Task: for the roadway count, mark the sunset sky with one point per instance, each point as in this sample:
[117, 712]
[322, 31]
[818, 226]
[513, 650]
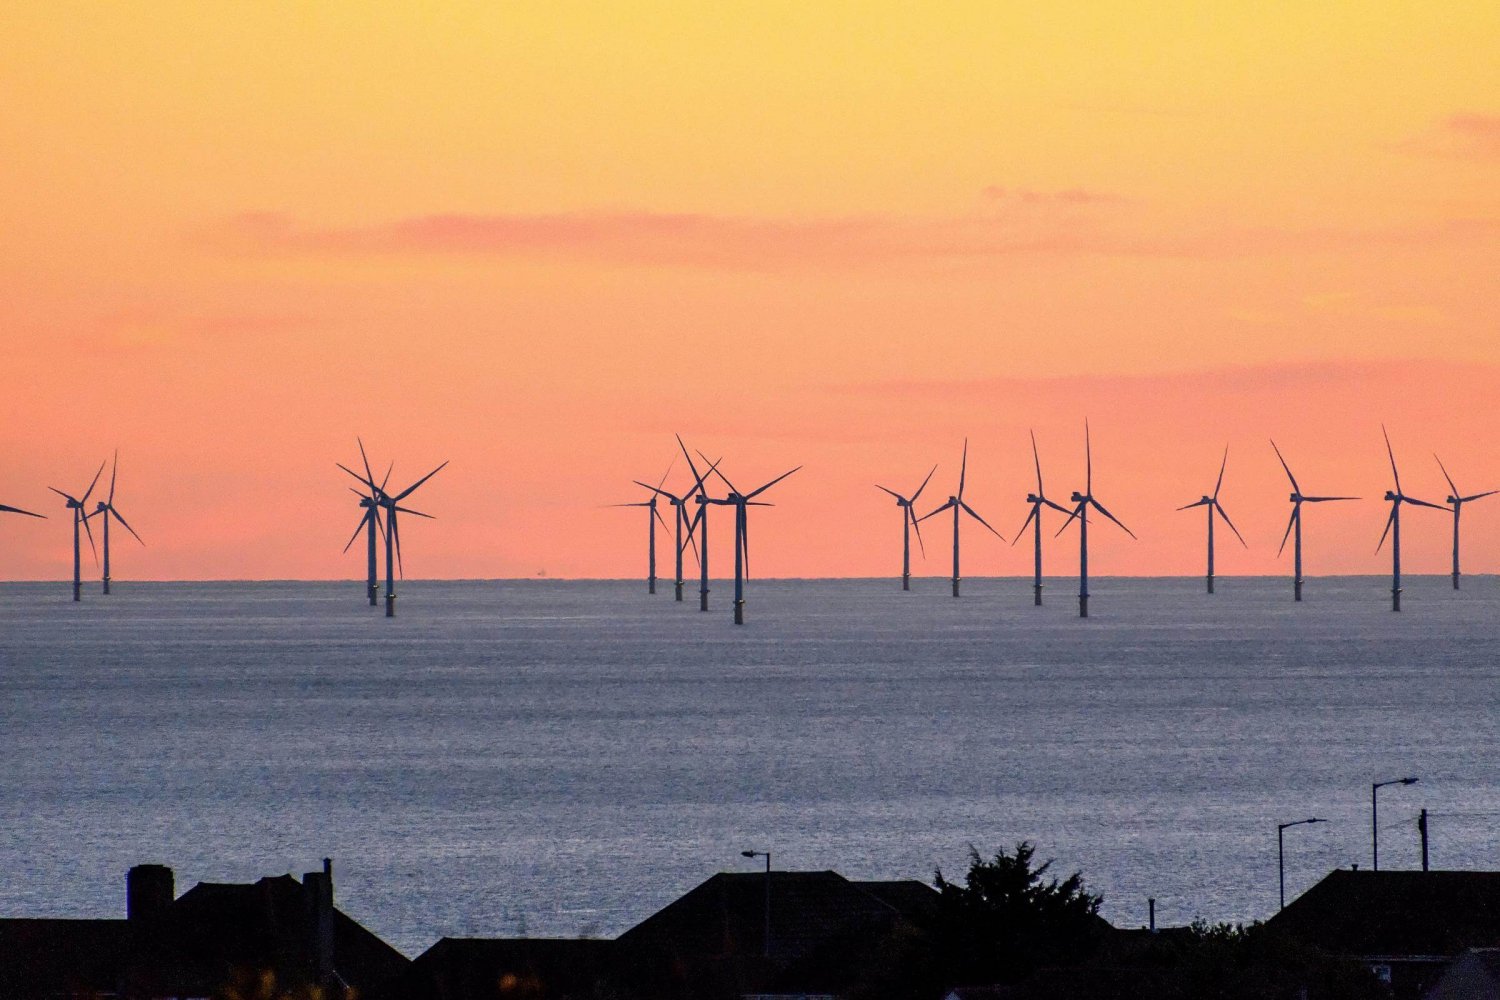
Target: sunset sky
[538, 239]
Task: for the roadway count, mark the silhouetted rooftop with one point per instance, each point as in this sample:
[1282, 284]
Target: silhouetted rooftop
[1396, 913]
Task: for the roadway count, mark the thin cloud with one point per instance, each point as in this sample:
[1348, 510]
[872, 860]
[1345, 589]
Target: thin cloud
[1019, 224]
[1218, 382]
[1468, 136]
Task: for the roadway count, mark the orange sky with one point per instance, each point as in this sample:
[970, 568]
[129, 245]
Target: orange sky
[537, 239]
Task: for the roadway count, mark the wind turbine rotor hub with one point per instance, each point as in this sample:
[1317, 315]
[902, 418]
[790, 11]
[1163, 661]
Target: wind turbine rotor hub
[1295, 498]
[1390, 495]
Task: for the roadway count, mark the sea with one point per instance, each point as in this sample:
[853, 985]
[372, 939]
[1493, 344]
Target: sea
[563, 758]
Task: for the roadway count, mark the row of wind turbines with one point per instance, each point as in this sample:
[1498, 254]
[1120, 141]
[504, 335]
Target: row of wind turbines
[691, 532]
[380, 507]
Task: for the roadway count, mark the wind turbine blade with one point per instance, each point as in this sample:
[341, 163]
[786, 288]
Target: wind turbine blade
[924, 484]
[366, 482]
[1100, 508]
[1476, 496]
[60, 493]
[1037, 458]
[1388, 522]
[114, 471]
[358, 528]
[389, 469]
[1288, 533]
[893, 493]
[918, 529]
[1222, 466]
[369, 476]
[1451, 486]
[1422, 503]
[714, 468]
[121, 519]
[1220, 508]
[658, 491]
[936, 512]
[90, 490]
[1326, 499]
[1088, 457]
[1295, 487]
[1195, 503]
[413, 487]
[396, 538]
[1072, 516]
[17, 510]
[691, 467]
[90, 531]
[664, 475]
[971, 512]
[755, 493]
[1055, 506]
[1031, 515]
[963, 469]
[745, 539]
[642, 504]
[657, 514]
[418, 513]
[1396, 475]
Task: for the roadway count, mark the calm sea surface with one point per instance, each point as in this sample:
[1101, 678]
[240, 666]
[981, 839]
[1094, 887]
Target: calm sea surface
[561, 758]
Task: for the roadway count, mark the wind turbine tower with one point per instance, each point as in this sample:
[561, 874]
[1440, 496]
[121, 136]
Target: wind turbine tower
[1456, 500]
[1393, 523]
[106, 509]
[1214, 507]
[958, 506]
[76, 505]
[1080, 513]
[1294, 525]
[908, 522]
[1038, 500]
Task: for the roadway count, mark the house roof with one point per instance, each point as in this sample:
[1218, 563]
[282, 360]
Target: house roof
[726, 915]
[455, 968]
[1396, 913]
[43, 957]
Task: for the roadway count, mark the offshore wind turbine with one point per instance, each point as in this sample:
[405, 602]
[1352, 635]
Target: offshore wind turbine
[680, 520]
[1214, 507]
[908, 521]
[1038, 500]
[1456, 500]
[106, 509]
[957, 505]
[652, 516]
[1393, 523]
[369, 522]
[742, 502]
[80, 518]
[1080, 513]
[392, 506]
[1294, 525]
[700, 496]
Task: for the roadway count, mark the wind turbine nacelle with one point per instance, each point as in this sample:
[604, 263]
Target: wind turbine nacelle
[1078, 497]
[902, 503]
[1295, 498]
[1033, 498]
[1453, 500]
[1390, 495]
[1206, 500]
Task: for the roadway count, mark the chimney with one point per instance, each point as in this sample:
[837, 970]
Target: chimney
[318, 887]
[149, 890]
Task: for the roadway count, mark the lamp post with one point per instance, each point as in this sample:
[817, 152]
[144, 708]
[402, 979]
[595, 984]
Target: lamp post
[1281, 850]
[766, 937]
[1375, 817]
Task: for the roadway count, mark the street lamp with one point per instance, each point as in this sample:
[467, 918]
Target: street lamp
[766, 937]
[1375, 817]
[1281, 850]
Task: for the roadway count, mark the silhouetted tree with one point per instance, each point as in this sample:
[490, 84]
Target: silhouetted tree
[1008, 918]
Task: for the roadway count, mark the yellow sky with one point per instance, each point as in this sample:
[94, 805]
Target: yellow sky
[538, 238]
